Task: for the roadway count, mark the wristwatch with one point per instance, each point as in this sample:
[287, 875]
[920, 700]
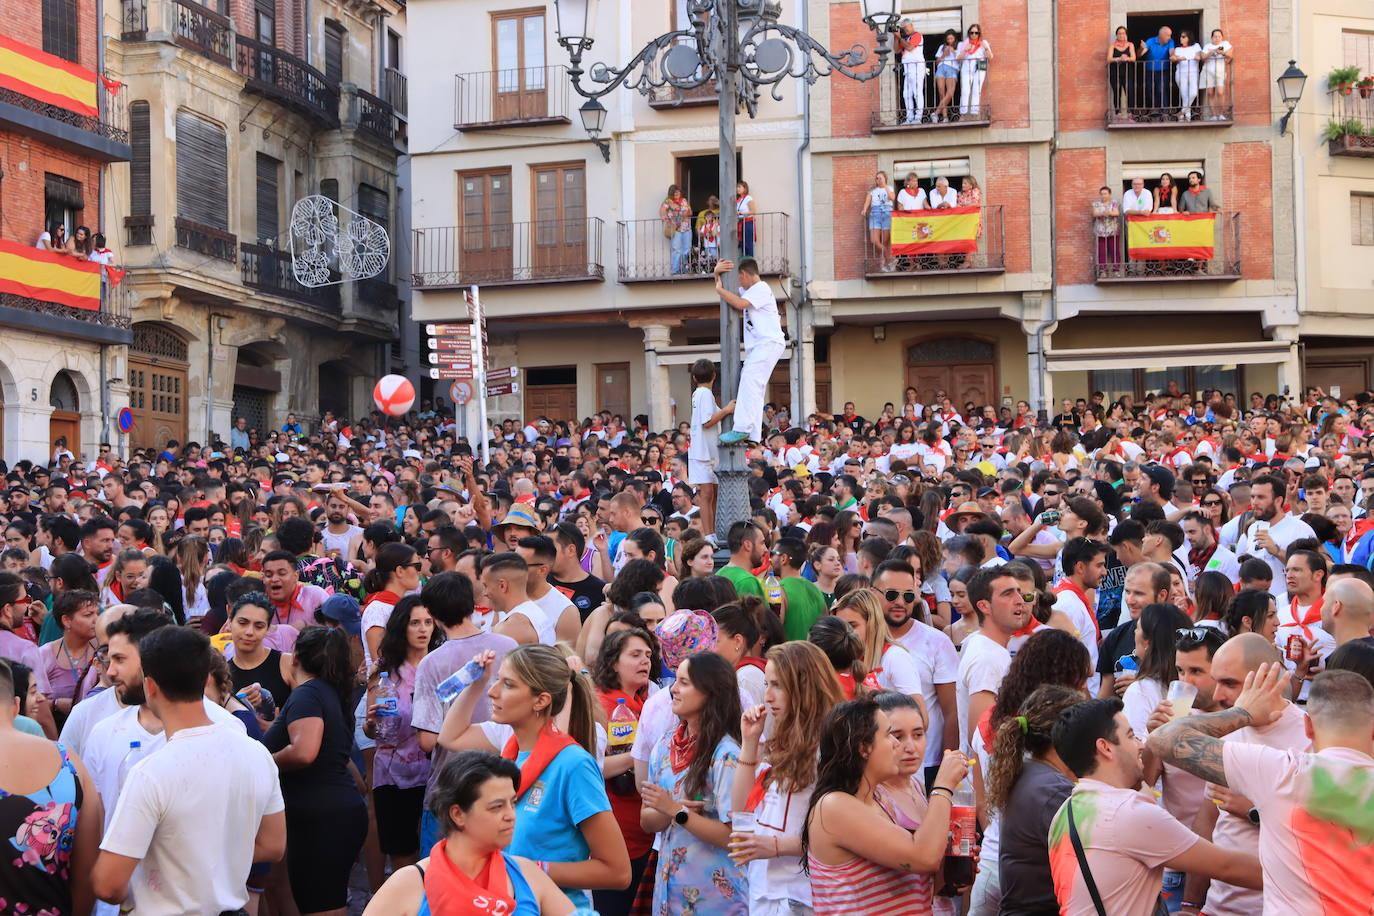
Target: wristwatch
[1253, 816]
[681, 817]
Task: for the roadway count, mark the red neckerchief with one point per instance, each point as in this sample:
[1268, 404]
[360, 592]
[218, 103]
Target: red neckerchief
[633, 701]
[1068, 585]
[1198, 556]
[1029, 628]
[290, 603]
[682, 747]
[550, 743]
[452, 893]
[1198, 190]
[1357, 531]
[974, 44]
[758, 790]
[1313, 615]
[847, 685]
[985, 727]
[1281, 456]
[385, 596]
[750, 661]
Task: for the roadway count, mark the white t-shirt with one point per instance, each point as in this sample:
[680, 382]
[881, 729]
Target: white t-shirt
[751, 685]
[1286, 531]
[1073, 608]
[1131, 202]
[1139, 700]
[949, 197]
[774, 881]
[908, 201]
[898, 671]
[762, 321]
[543, 627]
[85, 716]
[166, 805]
[376, 614]
[703, 446]
[982, 665]
[937, 663]
[1222, 561]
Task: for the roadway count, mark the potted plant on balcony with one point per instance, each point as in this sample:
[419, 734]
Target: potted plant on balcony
[1342, 79]
[1366, 86]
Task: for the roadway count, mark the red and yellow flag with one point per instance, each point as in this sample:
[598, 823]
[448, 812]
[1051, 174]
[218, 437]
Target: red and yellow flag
[1170, 236]
[952, 231]
[47, 78]
[49, 276]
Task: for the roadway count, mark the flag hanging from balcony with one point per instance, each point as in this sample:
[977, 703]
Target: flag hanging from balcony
[47, 78]
[952, 231]
[49, 276]
[1170, 236]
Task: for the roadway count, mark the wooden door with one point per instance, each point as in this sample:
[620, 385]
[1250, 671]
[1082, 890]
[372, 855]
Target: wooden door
[560, 219]
[157, 399]
[519, 85]
[964, 368]
[927, 380]
[557, 402]
[613, 389]
[972, 383]
[1351, 376]
[486, 234]
[65, 424]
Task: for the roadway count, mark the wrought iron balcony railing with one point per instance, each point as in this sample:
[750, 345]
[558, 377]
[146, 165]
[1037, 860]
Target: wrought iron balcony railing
[1188, 93]
[541, 251]
[645, 253]
[493, 98]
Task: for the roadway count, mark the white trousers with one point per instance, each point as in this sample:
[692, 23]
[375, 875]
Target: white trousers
[759, 361]
[914, 89]
[971, 88]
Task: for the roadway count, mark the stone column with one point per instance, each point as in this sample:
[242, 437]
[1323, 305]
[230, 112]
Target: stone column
[657, 337]
[1290, 370]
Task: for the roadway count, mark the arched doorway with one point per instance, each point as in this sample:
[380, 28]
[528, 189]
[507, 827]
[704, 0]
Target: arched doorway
[256, 383]
[65, 422]
[157, 385]
[335, 386]
[965, 368]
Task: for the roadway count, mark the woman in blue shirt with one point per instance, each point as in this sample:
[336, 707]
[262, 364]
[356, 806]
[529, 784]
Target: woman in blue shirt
[564, 818]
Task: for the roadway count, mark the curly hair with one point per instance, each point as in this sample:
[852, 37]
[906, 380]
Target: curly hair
[1012, 741]
[603, 672]
[930, 552]
[806, 678]
[636, 576]
[1050, 656]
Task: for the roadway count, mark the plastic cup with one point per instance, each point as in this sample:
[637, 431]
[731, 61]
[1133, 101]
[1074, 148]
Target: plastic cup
[1181, 695]
[742, 824]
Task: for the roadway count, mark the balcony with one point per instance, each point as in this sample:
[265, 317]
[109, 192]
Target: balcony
[372, 116]
[287, 80]
[189, 24]
[1142, 94]
[666, 98]
[932, 111]
[61, 104]
[988, 256]
[138, 230]
[1113, 263]
[378, 292]
[58, 296]
[394, 91]
[508, 254]
[645, 254]
[501, 98]
[268, 270]
[206, 240]
[1350, 132]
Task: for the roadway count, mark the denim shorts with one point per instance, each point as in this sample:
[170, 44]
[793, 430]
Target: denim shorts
[880, 219]
[947, 71]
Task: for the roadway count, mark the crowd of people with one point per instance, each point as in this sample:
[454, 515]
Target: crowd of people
[958, 659]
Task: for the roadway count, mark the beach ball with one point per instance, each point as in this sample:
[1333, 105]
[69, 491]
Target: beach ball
[394, 395]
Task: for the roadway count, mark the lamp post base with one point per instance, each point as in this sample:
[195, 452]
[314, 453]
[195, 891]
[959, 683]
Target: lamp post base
[732, 498]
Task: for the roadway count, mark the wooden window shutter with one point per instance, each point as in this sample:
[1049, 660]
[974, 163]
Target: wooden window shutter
[268, 222]
[141, 165]
[202, 171]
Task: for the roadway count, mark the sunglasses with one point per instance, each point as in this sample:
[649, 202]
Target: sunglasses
[1208, 503]
[1191, 637]
[649, 519]
[1028, 597]
[892, 594]
[415, 566]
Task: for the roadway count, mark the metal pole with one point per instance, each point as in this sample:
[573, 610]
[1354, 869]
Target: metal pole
[732, 498]
[479, 336]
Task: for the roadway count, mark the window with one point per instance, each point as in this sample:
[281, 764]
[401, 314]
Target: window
[62, 202]
[927, 170]
[518, 46]
[1362, 219]
[334, 35]
[269, 170]
[1140, 383]
[140, 165]
[202, 171]
[59, 28]
[375, 204]
[393, 50]
[1358, 50]
[1150, 173]
[266, 21]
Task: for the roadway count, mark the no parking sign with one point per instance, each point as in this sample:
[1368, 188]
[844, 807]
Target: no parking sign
[125, 420]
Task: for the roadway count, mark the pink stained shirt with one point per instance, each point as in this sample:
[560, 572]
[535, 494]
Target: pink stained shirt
[1237, 833]
[1316, 842]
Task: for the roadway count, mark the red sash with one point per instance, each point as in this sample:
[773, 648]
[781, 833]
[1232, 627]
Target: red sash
[452, 893]
[1068, 585]
[751, 661]
[547, 746]
[758, 790]
[1313, 615]
[384, 596]
[985, 728]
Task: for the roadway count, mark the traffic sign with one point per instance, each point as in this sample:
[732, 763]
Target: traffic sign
[501, 388]
[460, 392]
[450, 343]
[448, 373]
[451, 359]
[126, 419]
[440, 330]
[496, 375]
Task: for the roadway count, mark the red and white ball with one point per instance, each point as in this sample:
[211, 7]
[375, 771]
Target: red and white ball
[394, 395]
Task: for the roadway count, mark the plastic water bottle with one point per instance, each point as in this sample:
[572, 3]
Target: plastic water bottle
[131, 757]
[963, 827]
[458, 681]
[388, 710]
[772, 588]
[620, 739]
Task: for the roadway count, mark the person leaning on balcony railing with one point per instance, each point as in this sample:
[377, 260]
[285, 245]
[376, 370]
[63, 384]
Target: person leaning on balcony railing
[676, 214]
[1107, 227]
[946, 74]
[910, 46]
[708, 231]
[1156, 53]
[1166, 194]
[877, 212]
[1198, 198]
[1121, 73]
[910, 198]
[970, 195]
[1185, 58]
[1216, 60]
[55, 239]
[974, 56]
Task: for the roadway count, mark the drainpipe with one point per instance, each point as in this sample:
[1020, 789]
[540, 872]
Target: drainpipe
[1299, 216]
[100, 221]
[802, 310]
[209, 376]
[1037, 371]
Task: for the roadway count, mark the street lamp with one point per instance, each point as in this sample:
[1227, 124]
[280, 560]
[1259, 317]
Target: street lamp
[741, 48]
[1291, 84]
[593, 115]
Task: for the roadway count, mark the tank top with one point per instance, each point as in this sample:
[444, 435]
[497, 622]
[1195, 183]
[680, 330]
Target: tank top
[1119, 52]
[267, 675]
[861, 886]
[339, 542]
[40, 829]
[526, 904]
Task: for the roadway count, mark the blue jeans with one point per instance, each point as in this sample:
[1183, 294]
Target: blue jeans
[746, 238]
[682, 249]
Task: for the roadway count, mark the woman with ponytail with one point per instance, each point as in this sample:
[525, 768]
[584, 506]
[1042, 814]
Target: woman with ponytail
[800, 688]
[543, 717]
[844, 651]
[395, 575]
[311, 740]
[1027, 784]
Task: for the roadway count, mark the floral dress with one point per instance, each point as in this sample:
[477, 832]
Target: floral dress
[695, 878]
[38, 832]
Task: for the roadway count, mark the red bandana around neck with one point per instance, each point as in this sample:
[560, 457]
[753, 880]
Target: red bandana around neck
[385, 596]
[1068, 585]
[550, 743]
[682, 748]
[1313, 615]
[452, 893]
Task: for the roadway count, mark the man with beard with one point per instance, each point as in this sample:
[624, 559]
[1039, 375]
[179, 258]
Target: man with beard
[98, 545]
[340, 536]
[112, 739]
[1272, 529]
[996, 596]
[1126, 840]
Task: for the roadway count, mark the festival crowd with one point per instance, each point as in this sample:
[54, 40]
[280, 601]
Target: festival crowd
[958, 660]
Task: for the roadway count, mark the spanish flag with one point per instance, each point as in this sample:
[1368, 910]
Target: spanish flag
[49, 276]
[47, 78]
[1170, 236]
[952, 231]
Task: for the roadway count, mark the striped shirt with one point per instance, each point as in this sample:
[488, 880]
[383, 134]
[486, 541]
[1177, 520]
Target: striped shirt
[861, 886]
